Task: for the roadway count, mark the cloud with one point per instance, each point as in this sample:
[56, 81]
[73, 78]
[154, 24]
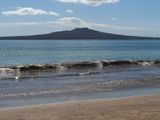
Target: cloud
[65, 23]
[113, 19]
[77, 22]
[53, 13]
[23, 11]
[69, 11]
[90, 2]
[73, 22]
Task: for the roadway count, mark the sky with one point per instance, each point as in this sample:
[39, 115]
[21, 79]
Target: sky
[129, 17]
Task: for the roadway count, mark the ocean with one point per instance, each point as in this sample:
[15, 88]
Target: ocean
[50, 71]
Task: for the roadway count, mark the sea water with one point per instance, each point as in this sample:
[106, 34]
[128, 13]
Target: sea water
[49, 71]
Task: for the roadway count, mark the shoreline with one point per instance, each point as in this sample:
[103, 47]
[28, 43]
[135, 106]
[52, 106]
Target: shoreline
[125, 108]
[78, 101]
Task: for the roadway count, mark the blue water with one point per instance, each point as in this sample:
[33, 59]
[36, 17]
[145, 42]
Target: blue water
[59, 51]
[19, 88]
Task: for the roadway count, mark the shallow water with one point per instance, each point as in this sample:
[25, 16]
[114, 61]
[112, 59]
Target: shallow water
[113, 68]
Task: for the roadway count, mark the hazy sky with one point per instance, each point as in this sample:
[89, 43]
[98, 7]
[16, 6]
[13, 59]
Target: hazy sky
[133, 17]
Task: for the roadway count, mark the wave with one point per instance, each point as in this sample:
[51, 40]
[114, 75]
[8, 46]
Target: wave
[48, 76]
[76, 65]
[35, 71]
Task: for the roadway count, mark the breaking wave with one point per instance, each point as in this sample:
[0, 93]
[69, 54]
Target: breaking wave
[76, 65]
[66, 69]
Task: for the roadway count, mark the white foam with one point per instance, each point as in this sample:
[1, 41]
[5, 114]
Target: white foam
[146, 63]
[100, 65]
[6, 70]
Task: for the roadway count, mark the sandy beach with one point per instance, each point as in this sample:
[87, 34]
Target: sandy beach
[131, 108]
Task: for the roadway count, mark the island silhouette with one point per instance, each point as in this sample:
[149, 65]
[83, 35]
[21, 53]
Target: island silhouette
[77, 33]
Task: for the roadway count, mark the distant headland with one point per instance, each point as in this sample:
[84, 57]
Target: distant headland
[77, 33]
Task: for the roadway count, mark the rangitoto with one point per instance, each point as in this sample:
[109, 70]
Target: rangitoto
[77, 34]
[131, 108]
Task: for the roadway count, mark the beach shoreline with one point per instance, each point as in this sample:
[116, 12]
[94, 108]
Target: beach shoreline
[127, 108]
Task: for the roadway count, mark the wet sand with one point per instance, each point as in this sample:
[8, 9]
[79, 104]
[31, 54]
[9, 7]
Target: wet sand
[131, 108]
